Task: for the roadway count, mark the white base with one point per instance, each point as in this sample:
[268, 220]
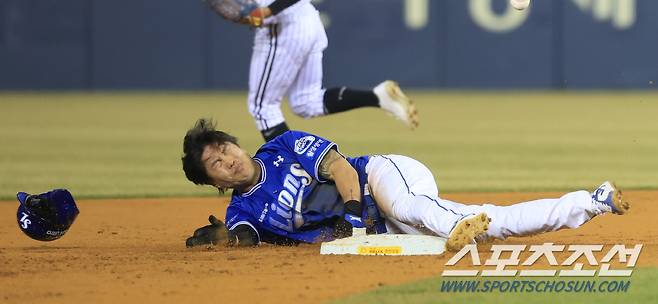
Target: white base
[385, 244]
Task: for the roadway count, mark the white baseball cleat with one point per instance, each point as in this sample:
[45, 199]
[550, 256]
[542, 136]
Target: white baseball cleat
[467, 230]
[396, 103]
[608, 198]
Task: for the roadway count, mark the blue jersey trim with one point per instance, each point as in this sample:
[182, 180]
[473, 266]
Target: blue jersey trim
[319, 160]
[263, 176]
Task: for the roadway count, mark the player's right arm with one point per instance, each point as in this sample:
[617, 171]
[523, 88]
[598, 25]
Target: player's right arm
[321, 159]
[336, 168]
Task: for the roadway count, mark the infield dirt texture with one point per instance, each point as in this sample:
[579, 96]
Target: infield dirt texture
[119, 154]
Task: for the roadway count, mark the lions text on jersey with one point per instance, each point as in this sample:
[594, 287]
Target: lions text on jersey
[291, 199]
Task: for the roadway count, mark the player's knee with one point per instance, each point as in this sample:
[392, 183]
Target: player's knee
[253, 113]
[301, 112]
[263, 110]
[405, 209]
[306, 110]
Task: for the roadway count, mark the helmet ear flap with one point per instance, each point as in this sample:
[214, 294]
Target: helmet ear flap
[64, 206]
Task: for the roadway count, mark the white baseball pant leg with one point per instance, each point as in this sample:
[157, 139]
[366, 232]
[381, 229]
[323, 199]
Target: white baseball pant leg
[287, 60]
[406, 192]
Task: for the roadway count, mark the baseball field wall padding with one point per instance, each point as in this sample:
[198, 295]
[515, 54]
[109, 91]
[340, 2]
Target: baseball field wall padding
[456, 44]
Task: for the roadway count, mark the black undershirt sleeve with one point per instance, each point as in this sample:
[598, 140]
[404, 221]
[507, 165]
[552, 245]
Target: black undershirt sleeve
[245, 236]
[279, 5]
[274, 239]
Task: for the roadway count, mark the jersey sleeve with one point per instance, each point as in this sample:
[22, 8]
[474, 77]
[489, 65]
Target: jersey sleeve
[308, 149]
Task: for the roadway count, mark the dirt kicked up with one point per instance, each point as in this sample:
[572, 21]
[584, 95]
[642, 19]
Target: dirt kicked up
[133, 251]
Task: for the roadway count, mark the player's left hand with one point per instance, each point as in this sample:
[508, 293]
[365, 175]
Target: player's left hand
[342, 228]
[212, 234]
[353, 213]
[351, 219]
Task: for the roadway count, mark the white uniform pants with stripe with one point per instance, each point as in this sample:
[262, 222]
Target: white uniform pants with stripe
[287, 61]
[406, 193]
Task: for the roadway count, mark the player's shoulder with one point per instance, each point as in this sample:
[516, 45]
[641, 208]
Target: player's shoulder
[293, 145]
[238, 206]
[292, 134]
[236, 201]
[275, 144]
[300, 141]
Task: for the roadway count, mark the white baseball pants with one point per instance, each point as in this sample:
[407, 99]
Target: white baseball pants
[287, 61]
[407, 195]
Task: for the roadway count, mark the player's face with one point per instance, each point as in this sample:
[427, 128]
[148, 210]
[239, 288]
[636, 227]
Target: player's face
[228, 166]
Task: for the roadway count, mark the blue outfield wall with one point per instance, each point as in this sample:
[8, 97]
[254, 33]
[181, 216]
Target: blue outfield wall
[174, 44]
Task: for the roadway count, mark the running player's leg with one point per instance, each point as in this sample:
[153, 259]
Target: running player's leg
[308, 98]
[405, 190]
[306, 93]
[387, 96]
[275, 64]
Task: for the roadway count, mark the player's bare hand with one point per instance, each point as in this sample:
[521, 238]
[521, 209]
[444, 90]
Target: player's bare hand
[257, 16]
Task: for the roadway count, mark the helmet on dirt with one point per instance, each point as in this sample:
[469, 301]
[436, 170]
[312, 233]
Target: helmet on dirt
[46, 216]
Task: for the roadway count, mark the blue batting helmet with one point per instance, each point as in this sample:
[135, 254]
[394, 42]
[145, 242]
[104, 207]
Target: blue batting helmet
[46, 216]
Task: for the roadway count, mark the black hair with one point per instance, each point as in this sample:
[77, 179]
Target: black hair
[197, 138]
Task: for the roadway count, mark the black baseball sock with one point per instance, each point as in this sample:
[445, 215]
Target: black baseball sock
[342, 99]
[271, 133]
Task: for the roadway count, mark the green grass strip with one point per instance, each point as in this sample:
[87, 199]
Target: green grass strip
[641, 289]
[103, 145]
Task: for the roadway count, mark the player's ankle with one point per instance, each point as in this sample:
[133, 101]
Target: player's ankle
[343, 99]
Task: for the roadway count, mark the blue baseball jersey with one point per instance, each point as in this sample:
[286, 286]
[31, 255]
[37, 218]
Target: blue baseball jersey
[291, 199]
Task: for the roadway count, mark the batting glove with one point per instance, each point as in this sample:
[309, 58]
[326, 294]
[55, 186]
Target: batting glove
[212, 234]
[353, 212]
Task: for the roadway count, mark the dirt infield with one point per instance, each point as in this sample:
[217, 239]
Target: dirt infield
[132, 251]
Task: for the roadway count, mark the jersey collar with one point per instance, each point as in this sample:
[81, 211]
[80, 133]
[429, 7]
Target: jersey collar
[263, 175]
